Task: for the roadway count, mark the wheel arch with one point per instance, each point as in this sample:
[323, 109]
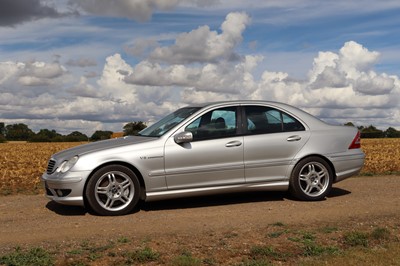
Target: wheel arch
[127, 165]
[320, 156]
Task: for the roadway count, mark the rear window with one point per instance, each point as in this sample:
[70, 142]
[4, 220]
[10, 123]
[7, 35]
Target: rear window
[262, 120]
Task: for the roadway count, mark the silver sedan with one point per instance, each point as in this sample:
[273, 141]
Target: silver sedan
[208, 149]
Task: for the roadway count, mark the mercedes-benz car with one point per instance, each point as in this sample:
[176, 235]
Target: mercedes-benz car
[208, 149]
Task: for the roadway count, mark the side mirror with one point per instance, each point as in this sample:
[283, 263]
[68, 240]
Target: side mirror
[183, 137]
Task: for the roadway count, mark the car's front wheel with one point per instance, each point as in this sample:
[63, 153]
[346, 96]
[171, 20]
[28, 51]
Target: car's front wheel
[113, 190]
[311, 179]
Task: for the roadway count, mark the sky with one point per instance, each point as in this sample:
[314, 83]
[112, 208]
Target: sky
[87, 65]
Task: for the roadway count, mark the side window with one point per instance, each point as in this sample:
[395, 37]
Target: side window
[291, 124]
[262, 120]
[219, 123]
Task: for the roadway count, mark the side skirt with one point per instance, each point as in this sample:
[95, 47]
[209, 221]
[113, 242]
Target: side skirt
[190, 192]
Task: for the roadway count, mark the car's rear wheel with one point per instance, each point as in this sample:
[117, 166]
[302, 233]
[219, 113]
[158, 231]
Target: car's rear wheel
[113, 190]
[311, 179]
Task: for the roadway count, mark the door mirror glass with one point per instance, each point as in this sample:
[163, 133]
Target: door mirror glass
[183, 137]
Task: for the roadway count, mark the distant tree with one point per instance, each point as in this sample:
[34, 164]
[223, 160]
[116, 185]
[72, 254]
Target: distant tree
[46, 135]
[2, 132]
[18, 132]
[101, 135]
[76, 136]
[350, 124]
[2, 129]
[392, 133]
[372, 132]
[133, 128]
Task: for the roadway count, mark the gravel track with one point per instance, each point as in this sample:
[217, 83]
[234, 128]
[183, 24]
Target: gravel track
[30, 220]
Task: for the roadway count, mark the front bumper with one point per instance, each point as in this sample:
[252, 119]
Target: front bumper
[67, 189]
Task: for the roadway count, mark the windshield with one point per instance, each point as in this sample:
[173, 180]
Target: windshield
[164, 125]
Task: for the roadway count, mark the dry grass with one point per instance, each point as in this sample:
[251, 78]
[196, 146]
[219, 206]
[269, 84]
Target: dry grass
[22, 164]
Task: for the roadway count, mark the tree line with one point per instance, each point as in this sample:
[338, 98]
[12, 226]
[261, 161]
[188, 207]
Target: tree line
[371, 131]
[21, 132]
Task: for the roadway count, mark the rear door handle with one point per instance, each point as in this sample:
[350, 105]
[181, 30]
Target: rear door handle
[234, 143]
[294, 138]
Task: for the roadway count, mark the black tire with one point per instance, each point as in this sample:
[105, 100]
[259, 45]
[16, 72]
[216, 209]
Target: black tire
[113, 190]
[311, 179]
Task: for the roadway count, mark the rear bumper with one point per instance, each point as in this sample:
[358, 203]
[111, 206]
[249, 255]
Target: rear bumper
[347, 165]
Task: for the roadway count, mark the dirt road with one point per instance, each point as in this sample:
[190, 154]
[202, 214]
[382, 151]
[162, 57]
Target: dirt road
[33, 219]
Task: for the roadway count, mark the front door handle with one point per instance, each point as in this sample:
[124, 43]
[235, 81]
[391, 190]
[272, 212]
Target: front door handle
[234, 143]
[294, 138]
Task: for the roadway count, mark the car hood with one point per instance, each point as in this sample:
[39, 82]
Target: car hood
[99, 146]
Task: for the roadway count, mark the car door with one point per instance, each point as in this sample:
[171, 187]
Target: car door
[272, 140]
[213, 158]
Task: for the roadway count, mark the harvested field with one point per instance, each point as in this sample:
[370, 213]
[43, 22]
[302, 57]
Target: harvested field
[22, 164]
[382, 156]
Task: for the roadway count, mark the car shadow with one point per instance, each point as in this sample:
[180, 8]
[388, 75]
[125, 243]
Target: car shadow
[213, 200]
[194, 202]
[338, 192]
[66, 210]
[227, 199]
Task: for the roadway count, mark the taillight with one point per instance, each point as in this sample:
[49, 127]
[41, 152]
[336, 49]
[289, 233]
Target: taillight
[356, 143]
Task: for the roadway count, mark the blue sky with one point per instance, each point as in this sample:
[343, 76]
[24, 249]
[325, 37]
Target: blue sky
[95, 64]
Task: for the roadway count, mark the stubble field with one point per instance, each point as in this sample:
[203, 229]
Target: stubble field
[22, 164]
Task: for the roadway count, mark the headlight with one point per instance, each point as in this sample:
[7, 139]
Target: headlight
[66, 165]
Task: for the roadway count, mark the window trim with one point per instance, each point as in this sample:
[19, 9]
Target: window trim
[238, 117]
[245, 125]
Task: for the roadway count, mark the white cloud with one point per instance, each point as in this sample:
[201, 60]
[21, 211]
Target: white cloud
[351, 71]
[40, 73]
[219, 77]
[83, 89]
[199, 66]
[354, 58]
[373, 84]
[204, 45]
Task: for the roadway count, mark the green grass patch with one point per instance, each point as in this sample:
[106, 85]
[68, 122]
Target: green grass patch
[255, 262]
[278, 224]
[123, 240]
[356, 238]
[32, 257]
[381, 234]
[312, 249]
[329, 229]
[142, 255]
[186, 259]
